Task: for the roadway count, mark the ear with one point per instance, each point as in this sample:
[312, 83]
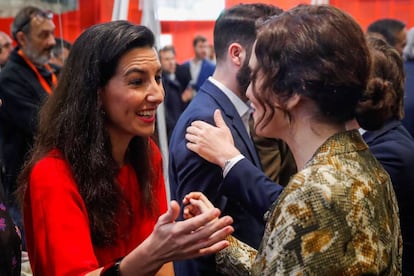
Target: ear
[293, 101]
[237, 54]
[21, 38]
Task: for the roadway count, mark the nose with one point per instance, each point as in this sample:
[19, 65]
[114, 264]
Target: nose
[51, 40]
[249, 91]
[156, 92]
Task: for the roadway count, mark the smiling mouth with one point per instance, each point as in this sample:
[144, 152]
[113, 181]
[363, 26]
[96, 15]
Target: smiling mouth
[146, 113]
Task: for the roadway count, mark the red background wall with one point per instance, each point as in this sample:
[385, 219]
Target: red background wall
[94, 11]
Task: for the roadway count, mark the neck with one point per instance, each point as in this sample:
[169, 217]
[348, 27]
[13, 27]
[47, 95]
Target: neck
[197, 59]
[228, 77]
[352, 124]
[306, 136]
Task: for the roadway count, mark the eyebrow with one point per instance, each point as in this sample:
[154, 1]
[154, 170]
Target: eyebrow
[140, 71]
[134, 70]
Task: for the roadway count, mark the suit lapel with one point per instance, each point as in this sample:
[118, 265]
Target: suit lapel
[233, 120]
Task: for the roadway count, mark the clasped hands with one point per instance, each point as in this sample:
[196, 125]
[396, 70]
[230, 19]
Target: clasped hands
[196, 203]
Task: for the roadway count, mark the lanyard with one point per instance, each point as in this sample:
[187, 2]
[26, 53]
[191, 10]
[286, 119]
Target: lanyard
[41, 79]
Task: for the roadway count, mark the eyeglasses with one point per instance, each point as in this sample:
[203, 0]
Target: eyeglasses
[39, 15]
[5, 46]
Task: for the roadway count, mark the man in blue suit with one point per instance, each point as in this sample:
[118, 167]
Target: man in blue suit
[200, 68]
[234, 35]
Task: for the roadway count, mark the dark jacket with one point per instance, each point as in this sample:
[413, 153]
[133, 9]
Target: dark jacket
[174, 106]
[22, 96]
[393, 146]
[408, 120]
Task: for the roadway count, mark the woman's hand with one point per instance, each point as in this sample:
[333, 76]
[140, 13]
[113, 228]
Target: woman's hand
[196, 203]
[213, 143]
[194, 237]
[201, 235]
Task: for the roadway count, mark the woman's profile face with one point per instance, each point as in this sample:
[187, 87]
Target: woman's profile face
[272, 128]
[132, 95]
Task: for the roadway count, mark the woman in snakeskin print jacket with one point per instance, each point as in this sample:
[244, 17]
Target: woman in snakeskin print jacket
[338, 215]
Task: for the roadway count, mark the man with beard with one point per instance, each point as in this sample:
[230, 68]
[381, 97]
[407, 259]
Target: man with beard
[199, 67]
[25, 82]
[234, 35]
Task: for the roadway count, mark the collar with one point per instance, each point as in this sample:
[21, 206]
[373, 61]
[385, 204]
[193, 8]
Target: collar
[241, 107]
[337, 144]
[43, 82]
[369, 136]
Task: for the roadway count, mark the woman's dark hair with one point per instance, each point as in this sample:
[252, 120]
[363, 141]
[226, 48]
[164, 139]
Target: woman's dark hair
[72, 121]
[318, 52]
[384, 96]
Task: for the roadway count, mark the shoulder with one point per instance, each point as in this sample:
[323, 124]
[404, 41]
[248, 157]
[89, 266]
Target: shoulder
[50, 170]
[395, 143]
[342, 174]
[200, 108]
[185, 65]
[14, 64]
[208, 64]
[13, 72]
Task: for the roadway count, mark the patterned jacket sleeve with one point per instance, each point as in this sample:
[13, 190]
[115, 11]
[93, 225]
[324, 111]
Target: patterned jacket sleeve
[236, 259]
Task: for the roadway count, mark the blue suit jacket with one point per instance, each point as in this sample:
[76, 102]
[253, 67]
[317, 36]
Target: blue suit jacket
[245, 200]
[408, 120]
[393, 146]
[207, 70]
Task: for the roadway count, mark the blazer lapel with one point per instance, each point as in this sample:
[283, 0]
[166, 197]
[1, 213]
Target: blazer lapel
[232, 118]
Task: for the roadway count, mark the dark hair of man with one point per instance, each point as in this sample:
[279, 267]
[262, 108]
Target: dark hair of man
[60, 43]
[22, 20]
[168, 48]
[238, 24]
[296, 54]
[384, 97]
[388, 28]
[198, 39]
[73, 121]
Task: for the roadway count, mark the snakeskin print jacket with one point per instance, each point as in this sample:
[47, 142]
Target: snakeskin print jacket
[337, 216]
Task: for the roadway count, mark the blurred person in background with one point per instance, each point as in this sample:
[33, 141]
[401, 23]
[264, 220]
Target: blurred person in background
[6, 47]
[200, 67]
[25, 82]
[60, 52]
[177, 96]
[392, 30]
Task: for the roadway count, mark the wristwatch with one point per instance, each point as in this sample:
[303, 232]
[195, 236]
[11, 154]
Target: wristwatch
[112, 269]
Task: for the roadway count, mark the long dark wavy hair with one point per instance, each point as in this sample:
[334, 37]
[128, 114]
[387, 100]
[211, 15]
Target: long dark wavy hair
[318, 52]
[72, 121]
